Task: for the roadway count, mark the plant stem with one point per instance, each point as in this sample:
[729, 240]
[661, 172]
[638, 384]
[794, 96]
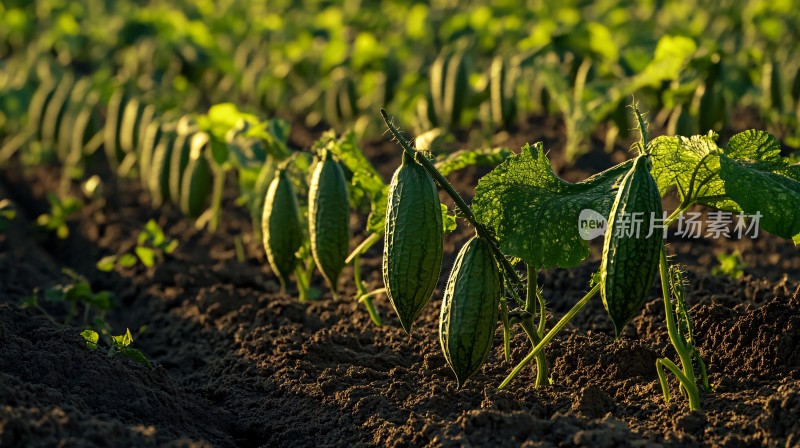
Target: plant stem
[550, 335]
[535, 334]
[542, 371]
[301, 277]
[363, 247]
[459, 202]
[687, 380]
[216, 198]
[363, 295]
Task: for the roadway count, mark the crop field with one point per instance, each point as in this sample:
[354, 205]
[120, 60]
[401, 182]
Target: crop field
[307, 223]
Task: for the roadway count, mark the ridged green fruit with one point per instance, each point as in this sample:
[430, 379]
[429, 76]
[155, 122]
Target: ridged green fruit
[54, 114]
[630, 256]
[469, 309]
[412, 252]
[197, 177]
[150, 140]
[160, 166]
[280, 227]
[329, 218]
[111, 130]
[129, 127]
[38, 105]
[177, 165]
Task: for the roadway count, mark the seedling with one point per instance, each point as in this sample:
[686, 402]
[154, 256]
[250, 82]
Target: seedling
[60, 212]
[116, 346]
[76, 294]
[730, 265]
[151, 248]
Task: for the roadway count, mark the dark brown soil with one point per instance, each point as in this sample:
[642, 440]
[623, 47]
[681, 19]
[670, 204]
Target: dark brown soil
[241, 364]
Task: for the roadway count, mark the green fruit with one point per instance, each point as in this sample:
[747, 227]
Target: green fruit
[148, 116]
[177, 165]
[197, 177]
[111, 130]
[54, 114]
[412, 253]
[502, 82]
[129, 127]
[38, 105]
[281, 228]
[150, 140]
[329, 218]
[449, 87]
[160, 167]
[469, 309]
[630, 258]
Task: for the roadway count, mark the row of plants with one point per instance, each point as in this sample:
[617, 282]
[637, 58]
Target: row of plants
[483, 65]
[525, 215]
[301, 203]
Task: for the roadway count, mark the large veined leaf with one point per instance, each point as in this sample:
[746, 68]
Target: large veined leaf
[762, 182]
[749, 175]
[692, 165]
[465, 158]
[534, 213]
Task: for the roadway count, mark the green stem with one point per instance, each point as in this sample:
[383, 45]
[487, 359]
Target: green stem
[550, 335]
[459, 202]
[216, 198]
[363, 295]
[301, 276]
[542, 374]
[535, 334]
[506, 328]
[363, 247]
[694, 396]
[687, 379]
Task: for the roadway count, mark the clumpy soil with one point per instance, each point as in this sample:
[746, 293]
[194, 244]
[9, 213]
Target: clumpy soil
[240, 363]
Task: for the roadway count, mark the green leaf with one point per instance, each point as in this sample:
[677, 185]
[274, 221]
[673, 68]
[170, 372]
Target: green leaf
[171, 246]
[466, 158]
[54, 294]
[107, 263]
[146, 255]
[101, 300]
[692, 165]
[449, 222]
[136, 355]
[758, 190]
[123, 340]
[535, 214]
[91, 337]
[127, 260]
[79, 291]
[762, 182]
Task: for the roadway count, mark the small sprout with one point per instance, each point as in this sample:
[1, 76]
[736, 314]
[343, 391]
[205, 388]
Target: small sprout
[116, 345]
[730, 265]
[60, 211]
[152, 245]
[91, 338]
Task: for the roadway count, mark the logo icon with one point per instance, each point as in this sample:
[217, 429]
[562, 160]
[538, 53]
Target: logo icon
[591, 224]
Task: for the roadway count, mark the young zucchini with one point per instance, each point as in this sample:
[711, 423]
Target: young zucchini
[329, 218]
[412, 253]
[469, 310]
[280, 227]
[630, 257]
[196, 182]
